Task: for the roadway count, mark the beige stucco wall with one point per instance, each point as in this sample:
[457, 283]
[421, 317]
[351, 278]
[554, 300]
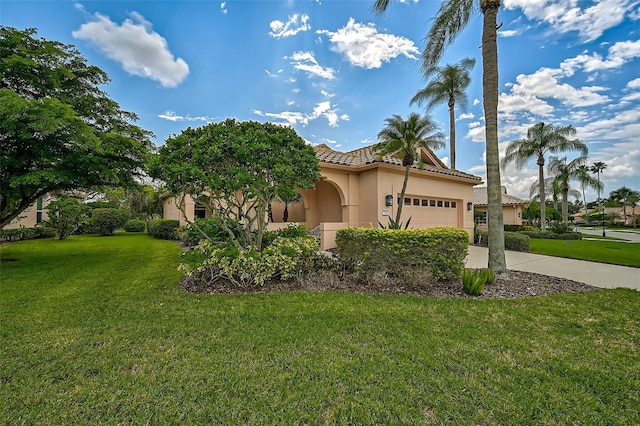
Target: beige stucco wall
[29, 217]
[512, 215]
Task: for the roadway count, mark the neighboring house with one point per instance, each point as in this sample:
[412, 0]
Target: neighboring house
[33, 215]
[360, 188]
[511, 207]
[616, 212]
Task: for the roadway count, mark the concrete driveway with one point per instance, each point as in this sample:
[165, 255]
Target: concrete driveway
[629, 236]
[592, 273]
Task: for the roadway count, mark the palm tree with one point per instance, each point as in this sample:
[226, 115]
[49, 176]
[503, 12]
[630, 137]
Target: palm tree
[541, 139]
[448, 86]
[597, 168]
[583, 176]
[405, 137]
[452, 17]
[564, 172]
[622, 196]
[632, 201]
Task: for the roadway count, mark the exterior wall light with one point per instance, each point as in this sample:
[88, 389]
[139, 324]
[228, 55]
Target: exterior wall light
[469, 206]
[388, 200]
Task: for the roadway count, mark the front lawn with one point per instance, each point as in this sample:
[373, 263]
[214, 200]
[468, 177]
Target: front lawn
[618, 253]
[95, 330]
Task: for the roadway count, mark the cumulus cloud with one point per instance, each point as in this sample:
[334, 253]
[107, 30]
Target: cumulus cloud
[172, 116]
[589, 19]
[293, 26]
[617, 55]
[508, 33]
[322, 109]
[363, 46]
[140, 50]
[305, 61]
[223, 7]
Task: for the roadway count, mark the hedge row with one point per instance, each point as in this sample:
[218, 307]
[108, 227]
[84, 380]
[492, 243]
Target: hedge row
[162, 228]
[135, 225]
[516, 241]
[23, 233]
[539, 235]
[437, 252]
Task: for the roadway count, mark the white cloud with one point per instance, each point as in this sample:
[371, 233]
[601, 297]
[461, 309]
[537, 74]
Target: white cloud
[223, 7]
[509, 104]
[136, 47]
[305, 61]
[570, 15]
[172, 116]
[476, 101]
[618, 54]
[634, 84]
[322, 109]
[508, 33]
[365, 47]
[466, 116]
[293, 26]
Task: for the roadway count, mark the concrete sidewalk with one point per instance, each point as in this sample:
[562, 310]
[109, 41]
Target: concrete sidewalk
[592, 273]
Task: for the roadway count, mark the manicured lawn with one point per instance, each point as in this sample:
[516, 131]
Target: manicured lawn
[618, 253]
[95, 330]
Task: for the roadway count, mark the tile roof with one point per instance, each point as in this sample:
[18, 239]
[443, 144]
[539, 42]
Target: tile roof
[366, 155]
[480, 198]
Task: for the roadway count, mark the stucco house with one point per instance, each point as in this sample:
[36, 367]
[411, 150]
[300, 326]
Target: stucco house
[33, 215]
[511, 207]
[360, 188]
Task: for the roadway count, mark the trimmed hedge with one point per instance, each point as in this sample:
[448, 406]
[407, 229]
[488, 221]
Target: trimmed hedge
[516, 241]
[24, 233]
[539, 235]
[106, 221]
[135, 225]
[437, 252]
[163, 229]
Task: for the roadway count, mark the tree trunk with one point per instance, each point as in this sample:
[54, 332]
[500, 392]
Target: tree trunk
[285, 213]
[565, 205]
[497, 261]
[452, 133]
[541, 193]
[402, 193]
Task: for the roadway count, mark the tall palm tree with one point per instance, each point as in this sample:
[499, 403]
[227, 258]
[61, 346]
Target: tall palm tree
[448, 86]
[583, 176]
[452, 17]
[541, 139]
[597, 168]
[633, 201]
[622, 196]
[405, 137]
[564, 172]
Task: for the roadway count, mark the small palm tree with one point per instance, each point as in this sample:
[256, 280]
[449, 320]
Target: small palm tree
[583, 176]
[448, 86]
[541, 139]
[622, 196]
[597, 168]
[563, 173]
[632, 201]
[405, 137]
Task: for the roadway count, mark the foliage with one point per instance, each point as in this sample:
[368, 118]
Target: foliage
[24, 233]
[405, 138]
[516, 241]
[135, 225]
[141, 201]
[518, 228]
[106, 221]
[236, 169]
[473, 281]
[285, 258]
[539, 235]
[395, 225]
[563, 172]
[59, 130]
[626, 197]
[207, 229]
[435, 252]
[67, 214]
[292, 230]
[164, 229]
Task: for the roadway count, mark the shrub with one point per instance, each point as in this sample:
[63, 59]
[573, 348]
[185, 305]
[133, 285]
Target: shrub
[292, 230]
[67, 215]
[135, 225]
[473, 281]
[106, 221]
[539, 235]
[163, 229]
[24, 233]
[405, 254]
[285, 258]
[560, 227]
[516, 241]
[211, 228]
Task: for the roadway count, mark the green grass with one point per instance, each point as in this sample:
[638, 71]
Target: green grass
[618, 253]
[95, 330]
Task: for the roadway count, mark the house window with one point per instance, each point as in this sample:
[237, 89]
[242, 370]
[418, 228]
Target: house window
[416, 202]
[39, 210]
[407, 201]
[447, 204]
[432, 203]
[453, 205]
[425, 203]
[439, 203]
[398, 200]
[481, 218]
[199, 211]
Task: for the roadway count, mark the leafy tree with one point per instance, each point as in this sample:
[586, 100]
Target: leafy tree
[406, 137]
[67, 214]
[58, 130]
[235, 169]
[452, 17]
[623, 196]
[448, 85]
[541, 139]
[141, 201]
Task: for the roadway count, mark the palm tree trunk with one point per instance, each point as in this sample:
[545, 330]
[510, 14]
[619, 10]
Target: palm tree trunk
[565, 205]
[497, 261]
[402, 193]
[452, 133]
[543, 196]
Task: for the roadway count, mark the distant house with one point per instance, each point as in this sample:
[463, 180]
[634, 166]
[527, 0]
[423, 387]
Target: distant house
[511, 207]
[360, 188]
[617, 214]
[33, 215]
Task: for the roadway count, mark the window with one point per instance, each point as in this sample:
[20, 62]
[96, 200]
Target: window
[439, 203]
[39, 210]
[407, 201]
[432, 203]
[453, 205]
[481, 218]
[199, 211]
[447, 204]
[416, 202]
[425, 203]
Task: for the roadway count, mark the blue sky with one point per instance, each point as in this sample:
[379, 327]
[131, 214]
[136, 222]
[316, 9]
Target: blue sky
[334, 70]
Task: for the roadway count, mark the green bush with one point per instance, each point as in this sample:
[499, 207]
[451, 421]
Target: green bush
[211, 228]
[163, 229]
[106, 221]
[404, 254]
[539, 235]
[559, 227]
[516, 241]
[24, 233]
[285, 258]
[292, 230]
[135, 225]
[473, 281]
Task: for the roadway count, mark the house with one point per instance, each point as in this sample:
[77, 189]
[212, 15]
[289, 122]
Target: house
[616, 214]
[359, 188]
[511, 207]
[33, 215]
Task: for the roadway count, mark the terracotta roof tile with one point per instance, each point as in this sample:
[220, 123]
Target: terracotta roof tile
[480, 198]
